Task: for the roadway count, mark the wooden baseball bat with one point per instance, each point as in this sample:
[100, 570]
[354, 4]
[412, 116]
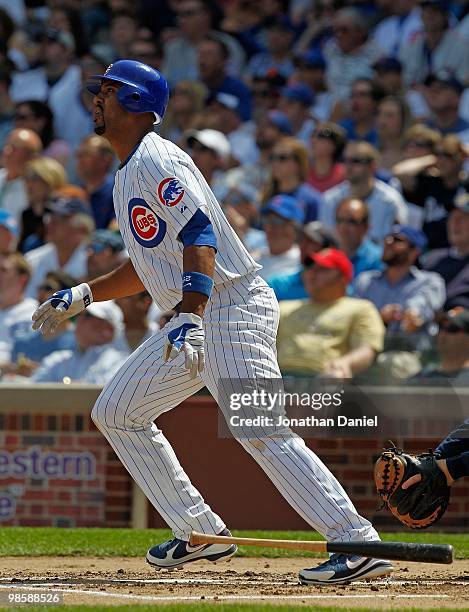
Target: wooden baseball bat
[399, 551]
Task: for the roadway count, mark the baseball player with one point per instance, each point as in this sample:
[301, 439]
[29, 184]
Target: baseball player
[183, 251]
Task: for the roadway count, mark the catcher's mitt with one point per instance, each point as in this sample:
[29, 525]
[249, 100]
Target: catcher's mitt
[423, 503]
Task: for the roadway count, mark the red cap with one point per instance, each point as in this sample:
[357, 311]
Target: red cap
[334, 259]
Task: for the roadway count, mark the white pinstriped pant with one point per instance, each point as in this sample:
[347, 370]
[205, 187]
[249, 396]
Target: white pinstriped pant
[240, 326]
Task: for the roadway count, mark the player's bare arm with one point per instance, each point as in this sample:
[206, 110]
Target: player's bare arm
[121, 282]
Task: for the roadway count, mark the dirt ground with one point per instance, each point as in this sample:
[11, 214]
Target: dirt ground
[131, 581]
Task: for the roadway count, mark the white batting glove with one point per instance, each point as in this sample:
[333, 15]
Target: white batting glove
[61, 306]
[187, 335]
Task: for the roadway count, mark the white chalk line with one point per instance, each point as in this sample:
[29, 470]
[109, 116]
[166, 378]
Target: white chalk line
[255, 581]
[226, 597]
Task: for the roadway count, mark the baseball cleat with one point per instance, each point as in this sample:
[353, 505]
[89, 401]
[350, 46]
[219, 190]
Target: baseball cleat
[175, 553]
[340, 569]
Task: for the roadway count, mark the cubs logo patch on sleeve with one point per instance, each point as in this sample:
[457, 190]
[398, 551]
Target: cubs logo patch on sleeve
[146, 226]
[170, 191]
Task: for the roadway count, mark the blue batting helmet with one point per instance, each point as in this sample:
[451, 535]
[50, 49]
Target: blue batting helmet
[144, 89]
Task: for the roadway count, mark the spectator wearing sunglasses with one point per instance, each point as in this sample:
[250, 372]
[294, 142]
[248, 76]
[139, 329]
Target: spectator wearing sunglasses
[37, 116]
[360, 124]
[406, 297]
[350, 54]
[289, 165]
[30, 347]
[329, 333]
[453, 263]
[105, 253]
[327, 144]
[435, 188]
[43, 176]
[452, 344]
[351, 220]
[385, 204]
[280, 218]
[15, 308]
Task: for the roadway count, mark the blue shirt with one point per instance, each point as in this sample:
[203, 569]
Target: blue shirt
[309, 199]
[34, 346]
[102, 203]
[234, 86]
[419, 290]
[367, 257]
[289, 287]
[349, 127]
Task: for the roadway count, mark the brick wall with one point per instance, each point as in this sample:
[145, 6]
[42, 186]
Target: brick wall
[232, 483]
[103, 500]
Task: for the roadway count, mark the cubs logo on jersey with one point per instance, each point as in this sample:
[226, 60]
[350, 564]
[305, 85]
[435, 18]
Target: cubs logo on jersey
[146, 226]
[170, 191]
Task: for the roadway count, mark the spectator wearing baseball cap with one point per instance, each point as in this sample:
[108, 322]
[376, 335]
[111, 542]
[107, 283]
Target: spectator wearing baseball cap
[312, 237]
[296, 101]
[310, 69]
[439, 47]
[265, 89]
[69, 225]
[452, 344]
[241, 207]
[211, 151]
[280, 218]
[289, 167]
[329, 333]
[444, 93]
[9, 232]
[98, 354]
[453, 263]
[406, 297]
[389, 76]
[279, 38]
[105, 253]
[226, 116]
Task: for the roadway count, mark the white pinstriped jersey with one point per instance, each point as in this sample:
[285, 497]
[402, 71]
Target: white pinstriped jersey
[156, 193]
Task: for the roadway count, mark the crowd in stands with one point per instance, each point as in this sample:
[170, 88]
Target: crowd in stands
[334, 133]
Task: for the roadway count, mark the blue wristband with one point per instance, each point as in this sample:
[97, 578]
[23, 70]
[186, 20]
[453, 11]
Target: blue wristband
[196, 281]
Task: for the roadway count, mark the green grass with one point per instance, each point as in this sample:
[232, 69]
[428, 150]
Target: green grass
[205, 607]
[87, 542]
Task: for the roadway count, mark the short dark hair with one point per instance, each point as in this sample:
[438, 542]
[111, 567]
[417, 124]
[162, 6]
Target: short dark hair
[221, 45]
[377, 92]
